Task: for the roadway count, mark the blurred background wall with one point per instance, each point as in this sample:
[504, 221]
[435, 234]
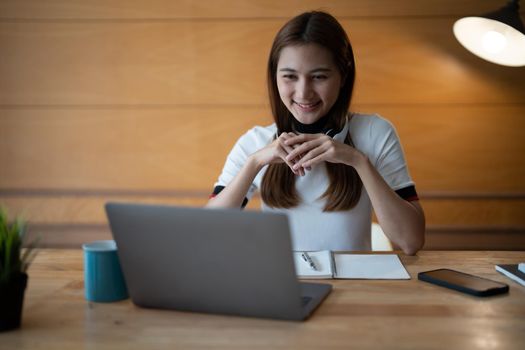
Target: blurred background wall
[142, 100]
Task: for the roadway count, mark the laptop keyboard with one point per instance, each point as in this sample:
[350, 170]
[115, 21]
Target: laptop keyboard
[305, 300]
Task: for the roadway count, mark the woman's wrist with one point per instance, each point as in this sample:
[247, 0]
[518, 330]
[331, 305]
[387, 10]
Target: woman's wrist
[357, 159]
[254, 163]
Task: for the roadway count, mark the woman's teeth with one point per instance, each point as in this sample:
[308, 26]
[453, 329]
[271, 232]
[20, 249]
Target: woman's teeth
[307, 105]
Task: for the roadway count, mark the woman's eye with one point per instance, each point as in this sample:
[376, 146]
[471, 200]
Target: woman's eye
[320, 77]
[289, 76]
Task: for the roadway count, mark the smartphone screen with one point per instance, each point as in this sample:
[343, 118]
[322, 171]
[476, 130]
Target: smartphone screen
[463, 282]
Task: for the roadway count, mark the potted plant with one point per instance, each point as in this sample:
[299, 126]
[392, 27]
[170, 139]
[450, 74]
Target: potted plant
[14, 262]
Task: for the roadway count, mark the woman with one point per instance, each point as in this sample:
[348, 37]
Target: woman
[323, 166]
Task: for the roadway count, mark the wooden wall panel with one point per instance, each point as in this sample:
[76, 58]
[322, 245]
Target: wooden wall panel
[474, 213]
[453, 149]
[88, 209]
[133, 63]
[463, 148]
[182, 148]
[141, 101]
[72, 236]
[148, 63]
[231, 9]
[68, 220]
[56, 209]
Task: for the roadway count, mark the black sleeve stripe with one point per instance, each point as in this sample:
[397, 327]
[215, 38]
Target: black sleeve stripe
[218, 190]
[408, 193]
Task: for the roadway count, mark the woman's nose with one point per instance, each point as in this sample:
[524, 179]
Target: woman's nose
[303, 90]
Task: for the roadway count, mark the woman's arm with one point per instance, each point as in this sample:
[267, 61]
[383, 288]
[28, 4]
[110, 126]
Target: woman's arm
[233, 195]
[403, 222]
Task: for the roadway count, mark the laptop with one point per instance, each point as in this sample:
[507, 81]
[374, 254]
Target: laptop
[220, 261]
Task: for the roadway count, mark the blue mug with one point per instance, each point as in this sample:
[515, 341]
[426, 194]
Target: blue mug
[103, 278]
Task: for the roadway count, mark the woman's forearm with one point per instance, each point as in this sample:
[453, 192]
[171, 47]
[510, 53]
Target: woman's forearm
[403, 222]
[233, 195]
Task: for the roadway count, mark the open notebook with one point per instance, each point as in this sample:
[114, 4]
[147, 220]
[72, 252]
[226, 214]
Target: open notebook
[350, 266]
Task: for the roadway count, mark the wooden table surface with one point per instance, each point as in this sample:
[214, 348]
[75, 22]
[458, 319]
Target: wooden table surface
[358, 314]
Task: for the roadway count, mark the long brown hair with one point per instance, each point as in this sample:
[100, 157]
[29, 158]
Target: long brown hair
[278, 183]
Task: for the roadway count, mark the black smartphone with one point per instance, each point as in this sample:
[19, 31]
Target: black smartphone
[463, 282]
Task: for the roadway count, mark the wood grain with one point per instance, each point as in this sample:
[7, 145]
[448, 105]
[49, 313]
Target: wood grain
[222, 62]
[452, 224]
[89, 209]
[366, 314]
[436, 237]
[477, 149]
[178, 149]
[231, 9]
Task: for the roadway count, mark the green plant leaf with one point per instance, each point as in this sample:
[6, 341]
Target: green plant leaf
[29, 254]
[12, 237]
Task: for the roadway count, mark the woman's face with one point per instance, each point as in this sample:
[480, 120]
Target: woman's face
[308, 81]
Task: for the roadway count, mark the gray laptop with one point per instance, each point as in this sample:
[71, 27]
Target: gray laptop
[220, 261]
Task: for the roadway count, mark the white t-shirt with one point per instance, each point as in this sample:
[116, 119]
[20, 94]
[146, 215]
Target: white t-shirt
[311, 228]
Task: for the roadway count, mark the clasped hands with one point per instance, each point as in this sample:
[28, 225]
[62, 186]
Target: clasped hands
[303, 151]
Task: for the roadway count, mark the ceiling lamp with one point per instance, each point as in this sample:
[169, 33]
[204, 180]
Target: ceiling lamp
[498, 37]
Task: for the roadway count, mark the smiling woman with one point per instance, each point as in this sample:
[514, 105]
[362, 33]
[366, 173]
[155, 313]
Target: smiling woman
[313, 163]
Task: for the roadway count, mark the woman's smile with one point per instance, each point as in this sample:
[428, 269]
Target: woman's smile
[307, 107]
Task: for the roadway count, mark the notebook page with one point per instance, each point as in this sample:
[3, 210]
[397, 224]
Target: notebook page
[322, 260]
[369, 266]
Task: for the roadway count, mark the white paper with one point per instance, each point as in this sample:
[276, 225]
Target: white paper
[369, 266]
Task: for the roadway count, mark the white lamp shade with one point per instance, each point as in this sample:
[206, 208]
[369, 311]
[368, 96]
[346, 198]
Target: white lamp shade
[491, 40]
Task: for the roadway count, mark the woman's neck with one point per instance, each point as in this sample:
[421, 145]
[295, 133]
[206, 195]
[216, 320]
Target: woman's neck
[314, 128]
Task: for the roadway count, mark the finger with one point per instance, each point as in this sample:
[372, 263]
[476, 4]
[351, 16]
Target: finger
[282, 154]
[314, 161]
[295, 171]
[301, 138]
[304, 148]
[282, 141]
[293, 139]
[288, 148]
[294, 159]
[305, 161]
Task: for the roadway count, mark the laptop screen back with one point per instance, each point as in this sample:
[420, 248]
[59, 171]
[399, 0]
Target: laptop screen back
[207, 260]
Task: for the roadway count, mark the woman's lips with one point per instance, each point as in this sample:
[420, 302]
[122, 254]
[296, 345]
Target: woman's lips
[308, 107]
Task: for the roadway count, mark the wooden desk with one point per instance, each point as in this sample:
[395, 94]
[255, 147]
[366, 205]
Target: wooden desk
[358, 314]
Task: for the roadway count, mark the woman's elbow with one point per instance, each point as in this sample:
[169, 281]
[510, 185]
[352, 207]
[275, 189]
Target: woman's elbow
[415, 244]
[417, 237]
[416, 241]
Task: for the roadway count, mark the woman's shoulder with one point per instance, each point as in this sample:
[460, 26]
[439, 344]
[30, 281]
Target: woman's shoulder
[263, 131]
[369, 122]
[258, 136]
[370, 132]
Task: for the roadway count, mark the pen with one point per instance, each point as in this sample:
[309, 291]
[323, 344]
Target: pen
[308, 260]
